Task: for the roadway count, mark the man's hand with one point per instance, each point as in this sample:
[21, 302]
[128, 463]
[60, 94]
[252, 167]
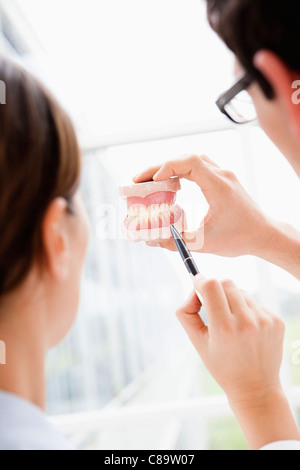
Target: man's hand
[234, 224]
[242, 348]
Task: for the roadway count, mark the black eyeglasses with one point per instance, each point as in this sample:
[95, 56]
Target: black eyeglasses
[236, 102]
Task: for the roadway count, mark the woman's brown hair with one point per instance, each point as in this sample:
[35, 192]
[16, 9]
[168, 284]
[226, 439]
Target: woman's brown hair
[39, 161]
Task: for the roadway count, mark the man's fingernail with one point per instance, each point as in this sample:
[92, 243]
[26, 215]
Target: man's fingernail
[199, 278]
[156, 176]
[153, 244]
[200, 297]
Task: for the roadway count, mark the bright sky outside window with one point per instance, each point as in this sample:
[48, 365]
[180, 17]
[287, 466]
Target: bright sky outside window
[132, 65]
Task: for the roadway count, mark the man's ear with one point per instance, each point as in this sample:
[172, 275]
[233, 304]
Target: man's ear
[282, 80]
[55, 240]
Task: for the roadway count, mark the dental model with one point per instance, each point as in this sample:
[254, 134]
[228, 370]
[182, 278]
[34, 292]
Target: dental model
[151, 210]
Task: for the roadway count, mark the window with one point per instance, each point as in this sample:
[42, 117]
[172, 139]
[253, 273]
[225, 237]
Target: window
[140, 83]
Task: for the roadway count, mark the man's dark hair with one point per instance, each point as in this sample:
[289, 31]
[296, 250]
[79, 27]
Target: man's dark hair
[247, 26]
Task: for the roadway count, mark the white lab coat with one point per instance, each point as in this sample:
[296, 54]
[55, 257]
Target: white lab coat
[283, 445]
[23, 426]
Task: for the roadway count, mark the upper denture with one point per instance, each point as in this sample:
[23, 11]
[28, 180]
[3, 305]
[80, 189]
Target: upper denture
[161, 197]
[143, 190]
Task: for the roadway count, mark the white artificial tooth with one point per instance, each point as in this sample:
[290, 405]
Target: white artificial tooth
[153, 210]
[134, 211]
[144, 214]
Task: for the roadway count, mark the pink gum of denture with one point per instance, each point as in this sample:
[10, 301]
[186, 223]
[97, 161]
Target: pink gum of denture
[151, 210]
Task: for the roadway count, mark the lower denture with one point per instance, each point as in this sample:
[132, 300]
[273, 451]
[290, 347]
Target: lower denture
[142, 216]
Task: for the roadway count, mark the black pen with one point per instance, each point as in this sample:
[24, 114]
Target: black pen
[186, 256]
